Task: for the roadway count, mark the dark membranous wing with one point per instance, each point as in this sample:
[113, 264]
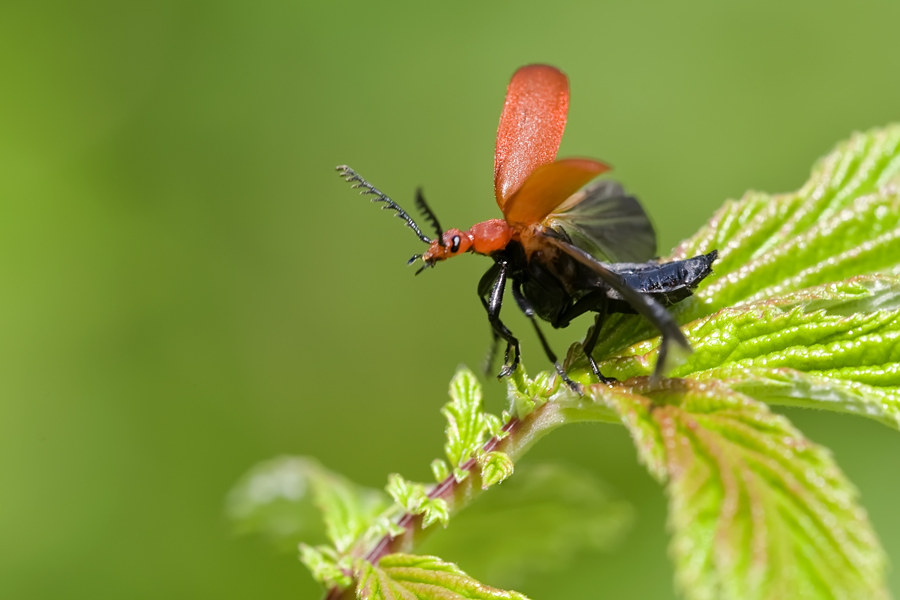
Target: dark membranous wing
[607, 223]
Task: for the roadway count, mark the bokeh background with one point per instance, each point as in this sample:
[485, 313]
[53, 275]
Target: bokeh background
[188, 288]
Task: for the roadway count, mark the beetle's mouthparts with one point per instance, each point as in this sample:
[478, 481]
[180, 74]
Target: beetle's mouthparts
[427, 264]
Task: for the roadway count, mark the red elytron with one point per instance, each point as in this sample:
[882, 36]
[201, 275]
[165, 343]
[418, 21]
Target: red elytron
[528, 184]
[559, 228]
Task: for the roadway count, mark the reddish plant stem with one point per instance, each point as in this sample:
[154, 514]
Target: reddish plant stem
[444, 489]
[411, 522]
[517, 437]
[448, 489]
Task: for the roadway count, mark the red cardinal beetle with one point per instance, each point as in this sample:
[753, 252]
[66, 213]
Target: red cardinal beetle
[569, 243]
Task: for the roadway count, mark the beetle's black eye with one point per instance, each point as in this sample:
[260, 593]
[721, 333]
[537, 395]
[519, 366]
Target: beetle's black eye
[455, 247]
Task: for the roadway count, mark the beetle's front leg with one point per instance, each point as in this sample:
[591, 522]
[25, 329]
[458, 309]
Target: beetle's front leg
[485, 284]
[493, 303]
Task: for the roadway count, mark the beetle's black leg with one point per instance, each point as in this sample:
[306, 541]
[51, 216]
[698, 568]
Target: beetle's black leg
[501, 331]
[591, 341]
[588, 303]
[485, 285]
[495, 341]
[595, 301]
[642, 303]
[488, 364]
[493, 305]
[526, 308]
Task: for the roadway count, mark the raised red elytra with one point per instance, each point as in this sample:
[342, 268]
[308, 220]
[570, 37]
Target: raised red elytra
[528, 184]
[559, 227]
[535, 110]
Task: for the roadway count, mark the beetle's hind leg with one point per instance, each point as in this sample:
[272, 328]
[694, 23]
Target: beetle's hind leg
[591, 341]
[526, 308]
[597, 302]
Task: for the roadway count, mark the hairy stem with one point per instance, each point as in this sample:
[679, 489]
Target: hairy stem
[517, 438]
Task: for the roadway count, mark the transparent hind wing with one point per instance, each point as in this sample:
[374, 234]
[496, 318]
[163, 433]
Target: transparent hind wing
[605, 221]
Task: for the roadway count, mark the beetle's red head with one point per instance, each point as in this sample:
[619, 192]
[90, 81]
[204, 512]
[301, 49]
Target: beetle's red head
[445, 243]
[452, 242]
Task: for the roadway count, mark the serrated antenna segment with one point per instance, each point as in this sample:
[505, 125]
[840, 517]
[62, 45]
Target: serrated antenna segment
[351, 176]
[429, 216]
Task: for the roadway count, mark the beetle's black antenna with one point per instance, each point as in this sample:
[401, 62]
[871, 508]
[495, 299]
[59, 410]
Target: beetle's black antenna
[353, 177]
[429, 215]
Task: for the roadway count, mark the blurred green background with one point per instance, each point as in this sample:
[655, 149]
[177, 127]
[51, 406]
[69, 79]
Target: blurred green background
[188, 288]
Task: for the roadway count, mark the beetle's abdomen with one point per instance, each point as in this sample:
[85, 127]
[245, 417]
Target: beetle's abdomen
[668, 282]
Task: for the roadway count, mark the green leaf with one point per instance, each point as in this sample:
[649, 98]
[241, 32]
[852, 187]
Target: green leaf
[495, 468]
[834, 347]
[845, 221]
[536, 522]
[440, 469]
[794, 388]
[465, 418]
[289, 499]
[435, 510]
[325, 565]
[756, 510]
[411, 496]
[408, 577]
[460, 475]
[348, 509]
[494, 425]
[527, 395]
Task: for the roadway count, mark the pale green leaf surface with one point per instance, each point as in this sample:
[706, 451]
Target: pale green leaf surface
[526, 394]
[323, 564]
[466, 425]
[460, 474]
[495, 468]
[494, 425]
[756, 510]
[435, 510]
[408, 577]
[292, 499]
[835, 346]
[411, 496]
[793, 388]
[348, 509]
[536, 522]
[440, 469]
